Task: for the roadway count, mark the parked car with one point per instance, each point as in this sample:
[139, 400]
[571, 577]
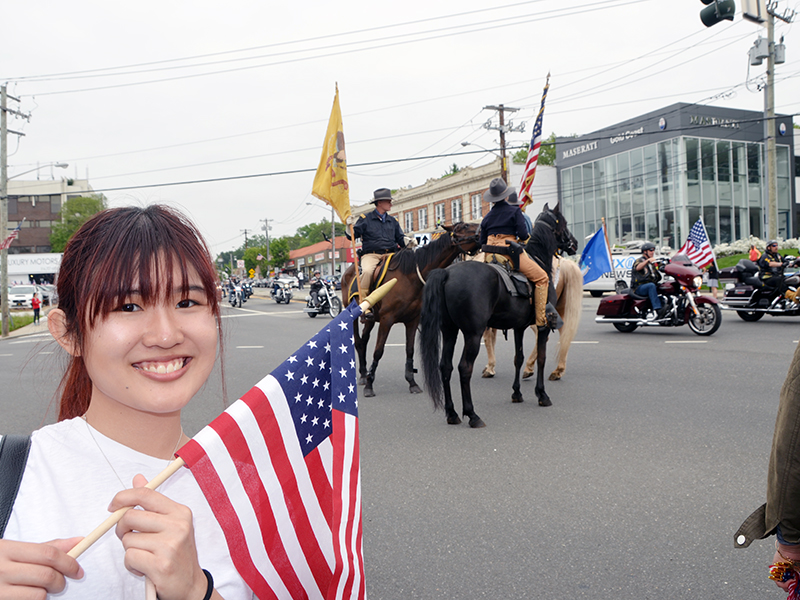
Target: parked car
[48, 294]
[20, 296]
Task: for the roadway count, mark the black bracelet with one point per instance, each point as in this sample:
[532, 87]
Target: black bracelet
[210, 588]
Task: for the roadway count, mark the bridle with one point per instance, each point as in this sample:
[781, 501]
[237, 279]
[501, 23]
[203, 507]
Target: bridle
[458, 240]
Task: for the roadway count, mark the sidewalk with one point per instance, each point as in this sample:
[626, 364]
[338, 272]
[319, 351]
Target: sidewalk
[32, 329]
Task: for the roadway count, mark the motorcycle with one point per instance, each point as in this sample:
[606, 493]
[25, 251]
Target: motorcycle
[751, 299]
[247, 290]
[327, 302]
[679, 292]
[281, 292]
[237, 297]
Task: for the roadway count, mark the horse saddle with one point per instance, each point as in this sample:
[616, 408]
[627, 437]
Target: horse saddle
[378, 275]
[512, 251]
[516, 283]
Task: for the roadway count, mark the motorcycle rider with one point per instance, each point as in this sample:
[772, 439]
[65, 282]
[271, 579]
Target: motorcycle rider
[644, 277]
[771, 265]
[316, 286]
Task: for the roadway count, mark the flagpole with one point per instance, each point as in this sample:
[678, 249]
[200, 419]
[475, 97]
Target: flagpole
[355, 264]
[176, 464]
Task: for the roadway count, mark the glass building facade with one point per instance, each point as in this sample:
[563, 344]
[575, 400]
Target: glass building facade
[652, 182]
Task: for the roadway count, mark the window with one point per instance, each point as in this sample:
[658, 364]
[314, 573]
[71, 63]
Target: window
[455, 209]
[422, 216]
[409, 221]
[475, 203]
[438, 211]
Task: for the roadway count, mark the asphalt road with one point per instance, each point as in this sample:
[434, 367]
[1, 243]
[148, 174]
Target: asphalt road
[629, 487]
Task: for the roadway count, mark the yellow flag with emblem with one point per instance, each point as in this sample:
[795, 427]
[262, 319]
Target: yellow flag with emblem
[330, 182]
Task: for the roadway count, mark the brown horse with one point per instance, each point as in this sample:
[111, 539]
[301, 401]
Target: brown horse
[403, 304]
[569, 291]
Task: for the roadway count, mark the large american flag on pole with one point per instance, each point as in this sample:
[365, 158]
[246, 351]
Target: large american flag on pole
[533, 154]
[4, 245]
[697, 247]
[281, 471]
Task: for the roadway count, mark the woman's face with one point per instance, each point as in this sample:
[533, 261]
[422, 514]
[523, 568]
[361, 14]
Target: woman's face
[152, 358]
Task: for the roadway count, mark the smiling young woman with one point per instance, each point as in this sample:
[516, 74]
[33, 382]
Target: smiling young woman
[139, 317]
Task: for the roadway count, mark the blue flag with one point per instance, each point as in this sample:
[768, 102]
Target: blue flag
[596, 258]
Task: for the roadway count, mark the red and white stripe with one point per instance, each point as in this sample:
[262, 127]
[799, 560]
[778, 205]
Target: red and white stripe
[292, 523]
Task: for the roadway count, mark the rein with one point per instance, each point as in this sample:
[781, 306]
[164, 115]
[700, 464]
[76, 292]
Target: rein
[456, 241]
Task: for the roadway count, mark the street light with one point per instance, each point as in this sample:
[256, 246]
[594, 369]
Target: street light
[4, 233]
[503, 170]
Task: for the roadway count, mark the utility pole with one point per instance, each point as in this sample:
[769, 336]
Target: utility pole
[4, 110]
[503, 128]
[266, 227]
[244, 231]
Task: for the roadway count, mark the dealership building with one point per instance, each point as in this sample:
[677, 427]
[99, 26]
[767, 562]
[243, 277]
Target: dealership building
[651, 177]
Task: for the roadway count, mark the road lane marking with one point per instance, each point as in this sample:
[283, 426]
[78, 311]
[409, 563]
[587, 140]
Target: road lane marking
[247, 347]
[688, 342]
[6, 355]
[586, 342]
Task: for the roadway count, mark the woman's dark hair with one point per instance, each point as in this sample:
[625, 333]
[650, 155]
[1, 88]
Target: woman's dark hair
[114, 252]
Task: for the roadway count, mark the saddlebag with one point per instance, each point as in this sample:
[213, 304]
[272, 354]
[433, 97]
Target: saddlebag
[612, 306]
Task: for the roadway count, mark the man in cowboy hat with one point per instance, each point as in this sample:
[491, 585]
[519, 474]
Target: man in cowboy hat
[380, 234]
[505, 223]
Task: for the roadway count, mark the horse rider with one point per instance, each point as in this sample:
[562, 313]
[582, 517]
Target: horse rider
[505, 223]
[380, 234]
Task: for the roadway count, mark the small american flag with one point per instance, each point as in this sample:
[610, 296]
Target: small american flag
[12, 236]
[533, 154]
[281, 471]
[697, 247]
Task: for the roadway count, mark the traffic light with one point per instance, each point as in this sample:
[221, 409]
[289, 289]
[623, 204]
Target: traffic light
[716, 11]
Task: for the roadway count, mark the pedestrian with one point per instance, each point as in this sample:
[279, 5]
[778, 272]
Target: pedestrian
[780, 516]
[754, 253]
[138, 352]
[36, 305]
[713, 278]
[300, 278]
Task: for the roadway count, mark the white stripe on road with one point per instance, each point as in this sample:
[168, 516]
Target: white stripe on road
[246, 347]
[688, 342]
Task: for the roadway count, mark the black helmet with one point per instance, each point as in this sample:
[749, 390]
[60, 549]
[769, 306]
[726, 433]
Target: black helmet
[648, 246]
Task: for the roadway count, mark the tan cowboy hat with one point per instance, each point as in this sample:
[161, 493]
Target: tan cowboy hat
[498, 190]
[382, 194]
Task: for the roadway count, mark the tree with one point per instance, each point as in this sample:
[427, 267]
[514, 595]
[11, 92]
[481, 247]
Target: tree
[279, 251]
[547, 153]
[251, 258]
[312, 234]
[74, 213]
[452, 170]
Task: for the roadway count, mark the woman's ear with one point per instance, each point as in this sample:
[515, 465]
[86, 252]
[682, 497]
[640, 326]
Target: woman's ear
[57, 324]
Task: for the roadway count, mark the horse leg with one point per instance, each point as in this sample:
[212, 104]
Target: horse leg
[411, 336]
[489, 340]
[360, 341]
[380, 343]
[531, 362]
[446, 368]
[519, 359]
[472, 346]
[544, 399]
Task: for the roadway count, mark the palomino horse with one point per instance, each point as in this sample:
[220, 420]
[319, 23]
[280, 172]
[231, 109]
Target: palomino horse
[402, 305]
[569, 291]
[469, 297]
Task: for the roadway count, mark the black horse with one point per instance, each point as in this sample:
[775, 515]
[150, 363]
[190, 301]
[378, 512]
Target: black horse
[469, 297]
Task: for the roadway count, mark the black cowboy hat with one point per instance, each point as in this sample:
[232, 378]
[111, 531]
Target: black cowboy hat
[381, 194]
[498, 190]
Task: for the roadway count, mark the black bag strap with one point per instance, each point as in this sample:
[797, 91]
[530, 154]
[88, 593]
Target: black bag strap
[13, 456]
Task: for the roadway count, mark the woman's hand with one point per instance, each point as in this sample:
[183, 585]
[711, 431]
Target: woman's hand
[159, 542]
[32, 571]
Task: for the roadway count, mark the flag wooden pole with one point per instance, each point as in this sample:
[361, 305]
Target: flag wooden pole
[355, 266]
[176, 464]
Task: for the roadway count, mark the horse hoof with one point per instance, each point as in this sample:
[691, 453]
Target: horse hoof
[527, 374]
[369, 392]
[487, 373]
[476, 423]
[554, 376]
[517, 398]
[454, 420]
[362, 381]
[415, 389]
[545, 401]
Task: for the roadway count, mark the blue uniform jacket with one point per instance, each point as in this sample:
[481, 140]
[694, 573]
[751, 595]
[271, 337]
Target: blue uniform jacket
[504, 219]
[378, 235]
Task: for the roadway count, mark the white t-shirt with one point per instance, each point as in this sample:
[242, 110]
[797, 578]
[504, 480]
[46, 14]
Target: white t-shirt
[65, 492]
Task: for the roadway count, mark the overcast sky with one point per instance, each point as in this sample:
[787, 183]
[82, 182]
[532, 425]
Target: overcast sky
[154, 92]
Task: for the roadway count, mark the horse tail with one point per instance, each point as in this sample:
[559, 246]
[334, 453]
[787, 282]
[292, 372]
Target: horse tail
[433, 307]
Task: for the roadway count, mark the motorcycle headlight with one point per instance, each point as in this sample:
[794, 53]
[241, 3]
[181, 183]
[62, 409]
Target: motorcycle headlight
[698, 281]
